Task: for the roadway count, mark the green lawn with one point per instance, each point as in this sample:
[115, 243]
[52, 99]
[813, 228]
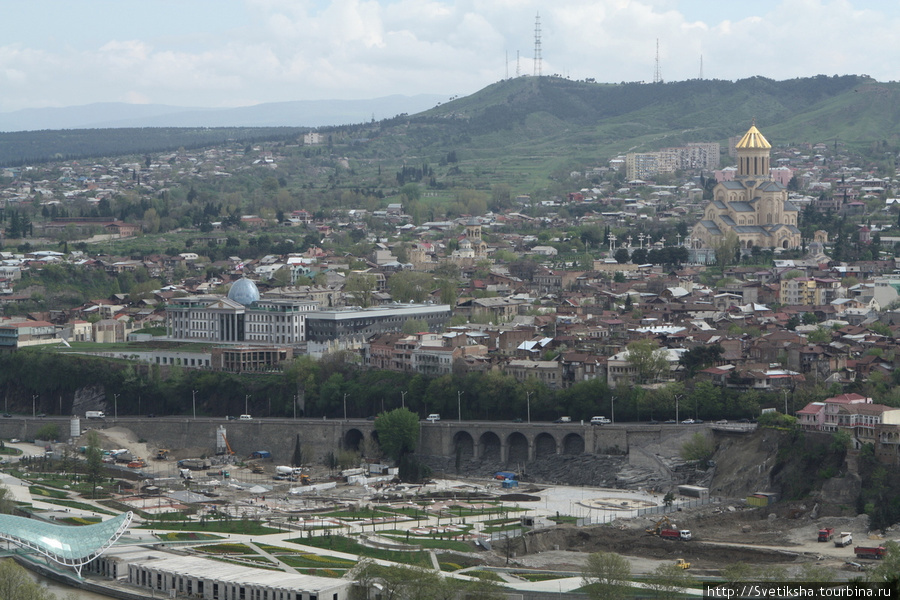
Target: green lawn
[340, 543]
[232, 526]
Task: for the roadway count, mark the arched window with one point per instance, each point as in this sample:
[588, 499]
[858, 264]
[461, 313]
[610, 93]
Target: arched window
[769, 218]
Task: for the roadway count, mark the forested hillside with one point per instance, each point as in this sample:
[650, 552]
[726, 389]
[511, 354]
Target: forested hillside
[548, 116]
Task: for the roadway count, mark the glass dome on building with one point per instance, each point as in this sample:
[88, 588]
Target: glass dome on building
[244, 292]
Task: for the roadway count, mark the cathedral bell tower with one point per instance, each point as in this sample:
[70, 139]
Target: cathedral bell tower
[753, 155]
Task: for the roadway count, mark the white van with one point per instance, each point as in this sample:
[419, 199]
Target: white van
[433, 417]
[245, 418]
[599, 421]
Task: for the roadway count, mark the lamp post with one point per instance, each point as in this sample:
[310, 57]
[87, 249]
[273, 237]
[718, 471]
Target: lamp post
[677, 398]
[459, 405]
[785, 400]
[247, 403]
[403, 399]
[116, 405]
[194, 402]
[612, 410]
[345, 407]
[528, 401]
[33, 411]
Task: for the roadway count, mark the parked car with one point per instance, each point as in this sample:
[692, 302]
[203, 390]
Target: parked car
[563, 420]
[600, 421]
[670, 422]
[433, 417]
[688, 422]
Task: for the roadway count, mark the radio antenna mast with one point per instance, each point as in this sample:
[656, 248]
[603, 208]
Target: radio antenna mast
[657, 75]
[537, 46]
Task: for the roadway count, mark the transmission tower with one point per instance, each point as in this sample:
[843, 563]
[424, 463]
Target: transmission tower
[701, 66]
[657, 75]
[518, 69]
[537, 45]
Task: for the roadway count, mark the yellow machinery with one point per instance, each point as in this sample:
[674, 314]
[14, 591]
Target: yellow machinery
[162, 454]
[682, 564]
[664, 523]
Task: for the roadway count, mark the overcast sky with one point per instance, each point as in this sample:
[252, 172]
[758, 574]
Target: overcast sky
[218, 53]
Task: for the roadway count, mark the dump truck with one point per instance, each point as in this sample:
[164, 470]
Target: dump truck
[682, 564]
[825, 534]
[675, 534]
[876, 552]
[844, 538]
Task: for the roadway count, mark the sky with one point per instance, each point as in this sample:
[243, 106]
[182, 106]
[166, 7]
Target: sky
[228, 53]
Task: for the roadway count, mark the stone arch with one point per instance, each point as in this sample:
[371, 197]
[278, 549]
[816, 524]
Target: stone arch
[489, 442]
[463, 445]
[544, 445]
[573, 444]
[517, 448]
[353, 439]
[784, 244]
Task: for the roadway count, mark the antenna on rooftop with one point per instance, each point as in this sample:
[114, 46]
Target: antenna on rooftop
[537, 46]
[657, 75]
[701, 66]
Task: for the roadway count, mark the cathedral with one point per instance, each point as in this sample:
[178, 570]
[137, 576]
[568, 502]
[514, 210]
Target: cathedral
[754, 206]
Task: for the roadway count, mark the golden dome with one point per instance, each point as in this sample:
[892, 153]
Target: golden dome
[753, 140]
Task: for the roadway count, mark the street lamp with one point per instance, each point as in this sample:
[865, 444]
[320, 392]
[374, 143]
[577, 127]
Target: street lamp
[33, 411]
[528, 402]
[345, 407]
[677, 398]
[194, 402]
[116, 405]
[247, 403]
[403, 399]
[612, 410]
[785, 400]
[459, 405]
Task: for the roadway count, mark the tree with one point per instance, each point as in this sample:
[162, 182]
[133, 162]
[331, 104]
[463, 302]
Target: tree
[16, 584]
[7, 504]
[398, 432]
[648, 360]
[700, 357]
[639, 256]
[412, 326]
[360, 287]
[297, 457]
[669, 580]
[888, 569]
[699, 448]
[725, 247]
[621, 256]
[607, 573]
[410, 286]
[94, 460]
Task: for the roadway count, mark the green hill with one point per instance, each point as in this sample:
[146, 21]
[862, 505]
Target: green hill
[544, 123]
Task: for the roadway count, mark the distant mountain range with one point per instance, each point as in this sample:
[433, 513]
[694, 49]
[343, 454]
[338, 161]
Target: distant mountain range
[307, 113]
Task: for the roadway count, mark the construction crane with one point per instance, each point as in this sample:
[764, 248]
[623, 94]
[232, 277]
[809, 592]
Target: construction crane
[664, 523]
[228, 449]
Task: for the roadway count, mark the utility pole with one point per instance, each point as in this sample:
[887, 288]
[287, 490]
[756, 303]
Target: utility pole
[116, 405]
[528, 400]
[345, 407]
[612, 410]
[403, 399]
[194, 402]
[247, 403]
[459, 404]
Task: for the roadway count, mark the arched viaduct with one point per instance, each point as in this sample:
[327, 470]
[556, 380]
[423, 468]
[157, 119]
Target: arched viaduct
[503, 442]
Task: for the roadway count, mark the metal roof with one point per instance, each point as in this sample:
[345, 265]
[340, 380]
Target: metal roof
[73, 546]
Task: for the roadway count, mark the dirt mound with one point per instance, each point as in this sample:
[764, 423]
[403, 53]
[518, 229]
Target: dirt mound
[628, 542]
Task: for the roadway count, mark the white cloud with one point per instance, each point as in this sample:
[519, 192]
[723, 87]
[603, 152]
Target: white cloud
[234, 52]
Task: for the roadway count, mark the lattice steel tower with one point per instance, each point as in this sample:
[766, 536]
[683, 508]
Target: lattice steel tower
[657, 74]
[537, 45]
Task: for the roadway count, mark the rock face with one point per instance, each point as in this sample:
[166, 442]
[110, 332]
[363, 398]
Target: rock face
[89, 398]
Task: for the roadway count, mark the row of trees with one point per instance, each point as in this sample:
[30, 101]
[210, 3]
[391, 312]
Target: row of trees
[317, 388]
